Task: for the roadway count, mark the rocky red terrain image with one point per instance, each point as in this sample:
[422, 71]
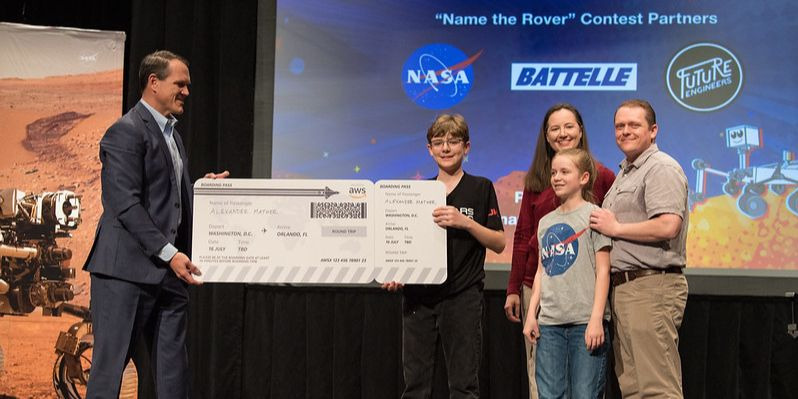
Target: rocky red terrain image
[50, 130]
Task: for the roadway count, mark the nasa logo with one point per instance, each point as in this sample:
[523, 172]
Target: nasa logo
[357, 192]
[88, 57]
[438, 76]
[573, 77]
[704, 77]
[559, 248]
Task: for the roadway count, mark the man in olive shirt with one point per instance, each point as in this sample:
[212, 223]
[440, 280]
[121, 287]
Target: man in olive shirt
[645, 213]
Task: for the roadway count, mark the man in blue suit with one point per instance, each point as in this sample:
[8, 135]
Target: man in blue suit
[139, 263]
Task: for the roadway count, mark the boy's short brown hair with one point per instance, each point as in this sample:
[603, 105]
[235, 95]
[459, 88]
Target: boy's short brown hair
[448, 124]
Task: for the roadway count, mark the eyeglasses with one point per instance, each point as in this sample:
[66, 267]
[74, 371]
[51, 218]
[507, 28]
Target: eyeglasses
[570, 127]
[440, 143]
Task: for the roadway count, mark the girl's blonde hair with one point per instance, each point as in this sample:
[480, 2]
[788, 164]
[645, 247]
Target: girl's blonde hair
[584, 163]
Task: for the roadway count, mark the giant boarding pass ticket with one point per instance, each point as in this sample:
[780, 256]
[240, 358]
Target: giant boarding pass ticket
[318, 231]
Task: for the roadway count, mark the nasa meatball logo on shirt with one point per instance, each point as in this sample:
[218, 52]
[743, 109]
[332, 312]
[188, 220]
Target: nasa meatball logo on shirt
[559, 248]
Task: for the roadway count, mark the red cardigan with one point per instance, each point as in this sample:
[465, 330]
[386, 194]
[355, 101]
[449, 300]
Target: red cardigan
[525, 244]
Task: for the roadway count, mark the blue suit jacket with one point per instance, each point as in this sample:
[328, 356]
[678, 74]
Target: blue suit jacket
[141, 205]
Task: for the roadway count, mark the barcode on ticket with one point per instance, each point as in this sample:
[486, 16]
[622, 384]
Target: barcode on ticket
[337, 210]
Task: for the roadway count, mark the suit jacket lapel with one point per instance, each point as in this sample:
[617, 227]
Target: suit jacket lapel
[185, 179]
[153, 129]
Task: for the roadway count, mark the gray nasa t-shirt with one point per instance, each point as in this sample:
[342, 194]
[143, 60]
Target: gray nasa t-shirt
[567, 254]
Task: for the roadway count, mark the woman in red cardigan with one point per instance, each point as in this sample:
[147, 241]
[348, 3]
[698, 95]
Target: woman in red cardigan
[562, 128]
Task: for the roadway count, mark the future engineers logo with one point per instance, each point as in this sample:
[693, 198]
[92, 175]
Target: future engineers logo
[438, 76]
[704, 77]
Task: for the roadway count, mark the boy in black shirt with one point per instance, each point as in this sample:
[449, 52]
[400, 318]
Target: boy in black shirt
[452, 312]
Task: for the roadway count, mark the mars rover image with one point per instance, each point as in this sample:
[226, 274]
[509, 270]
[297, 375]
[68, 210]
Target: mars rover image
[34, 273]
[749, 182]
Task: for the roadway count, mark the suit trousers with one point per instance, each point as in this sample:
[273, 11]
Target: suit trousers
[647, 313]
[124, 312]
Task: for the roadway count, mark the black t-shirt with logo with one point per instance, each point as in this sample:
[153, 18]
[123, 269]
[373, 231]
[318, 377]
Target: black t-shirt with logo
[475, 197]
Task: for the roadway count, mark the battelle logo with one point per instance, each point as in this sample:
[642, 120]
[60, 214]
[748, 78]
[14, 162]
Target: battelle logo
[704, 77]
[574, 76]
[438, 76]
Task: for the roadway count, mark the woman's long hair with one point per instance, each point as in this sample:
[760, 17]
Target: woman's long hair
[538, 177]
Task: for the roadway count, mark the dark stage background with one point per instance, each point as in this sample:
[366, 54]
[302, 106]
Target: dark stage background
[300, 342]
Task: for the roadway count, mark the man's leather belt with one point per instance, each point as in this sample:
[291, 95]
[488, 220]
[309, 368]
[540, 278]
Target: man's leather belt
[623, 277]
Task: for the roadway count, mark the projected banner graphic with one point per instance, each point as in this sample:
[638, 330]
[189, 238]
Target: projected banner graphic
[356, 86]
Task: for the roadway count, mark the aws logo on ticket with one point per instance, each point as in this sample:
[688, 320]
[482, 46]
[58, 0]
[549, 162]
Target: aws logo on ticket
[357, 192]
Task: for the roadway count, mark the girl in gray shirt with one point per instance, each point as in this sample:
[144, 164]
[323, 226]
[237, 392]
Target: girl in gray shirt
[568, 309]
